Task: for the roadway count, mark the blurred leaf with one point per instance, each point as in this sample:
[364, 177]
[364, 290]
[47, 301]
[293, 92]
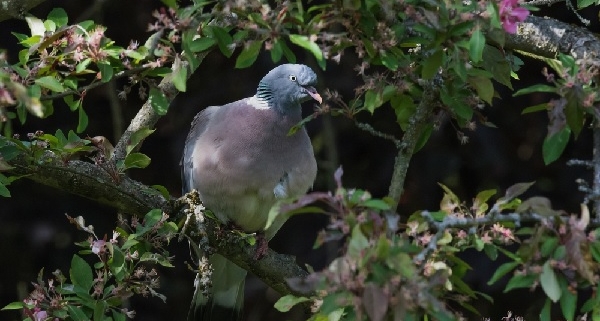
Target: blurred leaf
[484, 88]
[224, 40]
[179, 75]
[59, 17]
[574, 111]
[476, 45]
[554, 145]
[373, 100]
[76, 313]
[51, 83]
[549, 282]
[538, 88]
[4, 192]
[36, 26]
[136, 160]
[170, 3]
[568, 300]
[285, 303]
[248, 55]
[288, 53]
[546, 310]
[158, 101]
[13, 306]
[389, 60]
[201, 44]
[535, 108]
[276, 51]
[515, 191]
[81, 273]
[83, 120]
[432, 64]
[306, 43]
[358, 242]
[106, 71]
[520, 281]
[375, 301]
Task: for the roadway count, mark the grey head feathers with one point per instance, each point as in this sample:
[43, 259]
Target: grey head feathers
[288, 85]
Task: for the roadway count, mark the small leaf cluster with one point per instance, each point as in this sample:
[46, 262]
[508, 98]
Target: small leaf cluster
[391, 270]
[575, 85]
[122, 269]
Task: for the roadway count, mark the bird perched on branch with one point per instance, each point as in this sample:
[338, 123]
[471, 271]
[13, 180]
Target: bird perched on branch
[241, 159]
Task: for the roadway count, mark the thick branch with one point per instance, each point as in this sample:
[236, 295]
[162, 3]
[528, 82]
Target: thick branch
[546, 37]
[416, 127]
[11, 9]
[93, 182]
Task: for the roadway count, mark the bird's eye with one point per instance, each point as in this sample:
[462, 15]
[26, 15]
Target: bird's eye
[292, 78]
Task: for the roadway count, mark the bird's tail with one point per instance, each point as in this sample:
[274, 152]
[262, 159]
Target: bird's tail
[227, 293]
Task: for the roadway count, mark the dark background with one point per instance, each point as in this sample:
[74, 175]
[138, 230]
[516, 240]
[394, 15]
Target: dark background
[34, 232]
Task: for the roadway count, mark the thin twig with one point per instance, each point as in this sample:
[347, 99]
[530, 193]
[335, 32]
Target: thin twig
[368, 128]
[78, 91]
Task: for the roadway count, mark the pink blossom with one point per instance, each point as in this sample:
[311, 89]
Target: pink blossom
[510, 14]
[40, 315]
[98, 246]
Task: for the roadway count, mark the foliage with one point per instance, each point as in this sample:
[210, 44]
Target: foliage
[98, 291]
[388, 269]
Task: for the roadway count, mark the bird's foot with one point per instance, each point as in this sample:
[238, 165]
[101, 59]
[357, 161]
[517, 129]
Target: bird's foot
[262, 246]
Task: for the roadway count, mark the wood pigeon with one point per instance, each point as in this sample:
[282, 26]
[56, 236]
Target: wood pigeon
[242, 160]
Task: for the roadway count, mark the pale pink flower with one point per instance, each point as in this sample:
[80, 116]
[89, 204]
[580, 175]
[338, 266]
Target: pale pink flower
[40, 315]
[510, 14]
[98, 246]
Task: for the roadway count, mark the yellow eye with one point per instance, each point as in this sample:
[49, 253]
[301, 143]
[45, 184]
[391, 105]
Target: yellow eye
[292, 78]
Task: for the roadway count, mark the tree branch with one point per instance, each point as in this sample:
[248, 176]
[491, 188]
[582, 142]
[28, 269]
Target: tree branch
[93, 182]
[16, 9]
[546, 37]
[414, 131]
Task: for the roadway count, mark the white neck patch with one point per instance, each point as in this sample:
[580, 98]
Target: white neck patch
[258, 103]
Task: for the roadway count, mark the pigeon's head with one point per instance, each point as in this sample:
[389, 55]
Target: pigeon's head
[286, 86]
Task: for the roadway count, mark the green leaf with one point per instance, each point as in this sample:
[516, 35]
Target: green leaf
[81, 273]
[137, 137]
[476, 45]
[574, 111]
[549, 282]
[389, 60]
[432, 64]
[170, 3]
[568, 301]
[276, 51]
[76, 313]
[306, 43]
[538, 88]
[535, 108]
[36, 26]
[484, 88]
[99, 308]
[545, 313]
[373, 100]
[288, 53]
[106, 71]
[14, 306]
[520, 281]
[83, 120]
[554, 145]
[179, 75]
[285, 303]
[502, 270]
[59, 17]
[4, 192]
[158, 101]
[358, 242]
[586, 3]
[136, 160]
[248, 56]
[201, 44]
[224, 40]
[377, 204]
[51, 83]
